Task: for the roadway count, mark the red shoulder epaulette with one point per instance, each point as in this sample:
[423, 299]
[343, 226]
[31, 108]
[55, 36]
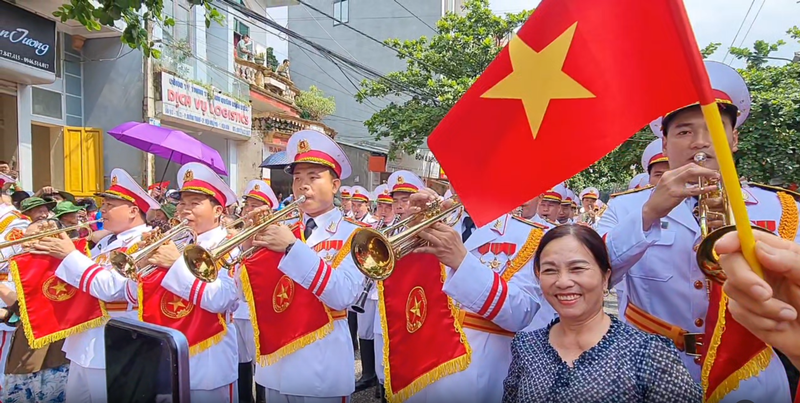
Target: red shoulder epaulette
[529, 222]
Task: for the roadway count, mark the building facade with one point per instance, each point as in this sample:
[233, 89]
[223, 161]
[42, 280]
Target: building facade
[62, 88]
[381, 20]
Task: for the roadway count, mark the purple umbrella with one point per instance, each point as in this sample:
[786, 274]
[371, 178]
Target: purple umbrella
[173, 145]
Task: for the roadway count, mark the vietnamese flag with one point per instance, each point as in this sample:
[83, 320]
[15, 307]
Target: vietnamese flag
[579, 78]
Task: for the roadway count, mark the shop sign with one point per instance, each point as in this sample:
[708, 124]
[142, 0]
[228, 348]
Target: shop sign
[188, 101]
[27, 46]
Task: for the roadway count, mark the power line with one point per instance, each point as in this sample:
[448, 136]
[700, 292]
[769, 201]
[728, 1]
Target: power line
[357, 66]
[362, 33]
[738, 31]
[746, 34]
[415, 16]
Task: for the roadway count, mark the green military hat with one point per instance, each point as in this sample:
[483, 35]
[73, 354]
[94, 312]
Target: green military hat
[33, 202]
[66, 207]
[169, 209]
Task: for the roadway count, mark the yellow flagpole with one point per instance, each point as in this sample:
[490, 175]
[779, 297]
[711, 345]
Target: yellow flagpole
[732, 187]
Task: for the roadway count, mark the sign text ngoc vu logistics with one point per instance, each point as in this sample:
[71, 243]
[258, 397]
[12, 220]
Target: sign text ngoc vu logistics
[200, 103]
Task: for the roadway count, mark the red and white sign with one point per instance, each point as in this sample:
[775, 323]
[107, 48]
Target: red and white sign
[188, 101]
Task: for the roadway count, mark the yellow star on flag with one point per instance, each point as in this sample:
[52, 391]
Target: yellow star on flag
[537, 78]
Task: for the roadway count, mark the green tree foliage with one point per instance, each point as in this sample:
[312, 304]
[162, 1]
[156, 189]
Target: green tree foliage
[756, 57]
[770, 139]
[133, 13]
[314, 104]
[439, 71]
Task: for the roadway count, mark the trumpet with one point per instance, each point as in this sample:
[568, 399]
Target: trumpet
[46, 234]
[707, 258]
[203, 263]
[375, 252]
[127, 265]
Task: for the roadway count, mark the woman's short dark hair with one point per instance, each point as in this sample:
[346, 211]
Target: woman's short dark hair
[585, 235]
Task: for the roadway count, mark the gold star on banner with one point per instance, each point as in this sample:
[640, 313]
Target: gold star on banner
[283, 296]
[416, 309]
[537, 78]
[177, 303]
[59, 287]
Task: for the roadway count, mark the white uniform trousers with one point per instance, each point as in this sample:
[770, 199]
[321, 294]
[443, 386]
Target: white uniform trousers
[245, 339]
[379, 358]
[86, 385]
[5, 348]
[366, 320]
[222, 394]
[273, 396]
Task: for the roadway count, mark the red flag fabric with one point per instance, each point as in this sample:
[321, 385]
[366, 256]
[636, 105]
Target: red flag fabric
[579, 78]
[157, 305]
[423, 339]
[286, 317]
[51, 309]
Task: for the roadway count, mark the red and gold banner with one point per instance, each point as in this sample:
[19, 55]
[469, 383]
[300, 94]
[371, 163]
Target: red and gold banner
[423, 340]
[286, 317]
[733, 353]
[50, 308]
[159, 306]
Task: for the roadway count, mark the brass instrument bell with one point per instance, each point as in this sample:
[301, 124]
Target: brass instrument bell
[707, 258]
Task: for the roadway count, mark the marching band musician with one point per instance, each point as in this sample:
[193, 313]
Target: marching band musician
[12, 226]
[258, 194]
[360, 200]
[203, 199]
[567, 212]
[124, 207]
[490, 274]
[366, 321]
[651, 235]
[592, 211]
[401, 184]
[322, 369]
[550, 205]
[654, 162]
[530, 212]
[385, 209]
[347, 205]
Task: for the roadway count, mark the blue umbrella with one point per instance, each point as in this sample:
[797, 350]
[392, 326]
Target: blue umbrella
[279, 160]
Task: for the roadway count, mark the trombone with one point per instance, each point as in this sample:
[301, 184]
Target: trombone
[707, 258]
[127, 265]
[375, 252]
[203, 263]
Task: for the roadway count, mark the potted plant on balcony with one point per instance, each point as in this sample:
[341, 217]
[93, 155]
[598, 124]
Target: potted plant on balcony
[259, 59]
[314, 105]
[272, 61]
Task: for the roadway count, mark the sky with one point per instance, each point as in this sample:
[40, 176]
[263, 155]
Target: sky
[718, 21]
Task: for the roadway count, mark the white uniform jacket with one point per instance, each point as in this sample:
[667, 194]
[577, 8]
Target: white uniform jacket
[479, 287]
[219, 365]
[663, 279]
[323, 368]
[95, 276]
[10, 220]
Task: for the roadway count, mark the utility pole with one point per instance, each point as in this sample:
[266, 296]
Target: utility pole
[148, 104]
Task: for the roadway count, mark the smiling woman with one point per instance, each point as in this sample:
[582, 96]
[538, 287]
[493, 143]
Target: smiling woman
[585, 354]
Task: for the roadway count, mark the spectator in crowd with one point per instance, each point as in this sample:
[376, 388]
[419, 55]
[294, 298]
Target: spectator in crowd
[245, 48]
[586, 354]
[36, 208]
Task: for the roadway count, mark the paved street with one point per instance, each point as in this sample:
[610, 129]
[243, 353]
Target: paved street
[368, 396]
